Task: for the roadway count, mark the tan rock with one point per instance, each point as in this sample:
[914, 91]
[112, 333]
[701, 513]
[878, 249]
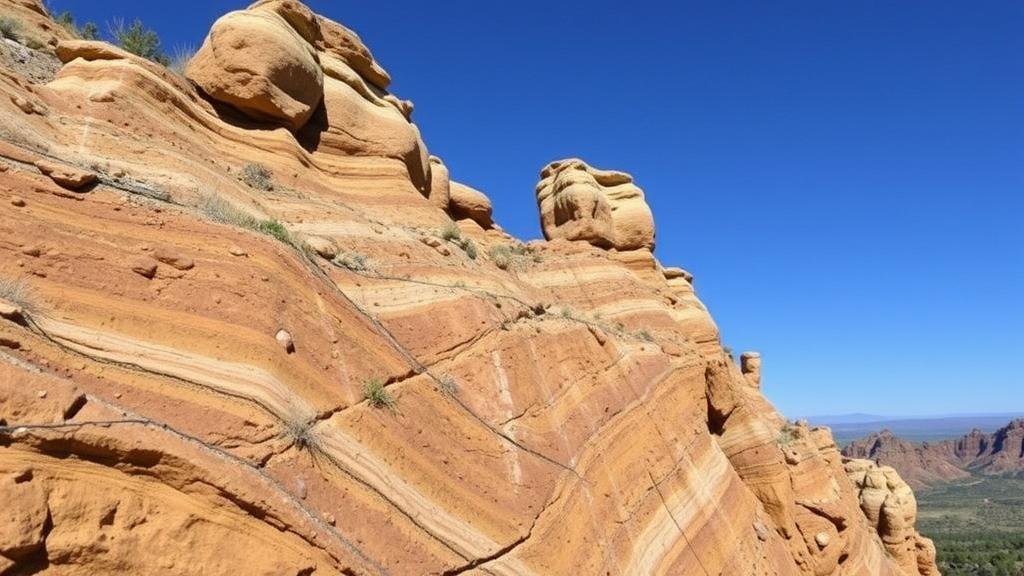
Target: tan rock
[322, 246]
[603, 207]
[256, 62]
[66, 176]
[144, 267]
[11, 311]
[469, 203]
[673, 273]
[174, 258]
[285, 340]
[22, 525]
[750, 365]
[440, 184]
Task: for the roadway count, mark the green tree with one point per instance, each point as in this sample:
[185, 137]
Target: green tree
[139, 40]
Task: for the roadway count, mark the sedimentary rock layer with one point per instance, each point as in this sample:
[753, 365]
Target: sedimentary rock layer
[242, 348]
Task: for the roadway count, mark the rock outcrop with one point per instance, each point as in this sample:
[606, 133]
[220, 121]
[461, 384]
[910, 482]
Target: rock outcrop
[890, 506]
[932, 463]
[603, 207]
[199, 376]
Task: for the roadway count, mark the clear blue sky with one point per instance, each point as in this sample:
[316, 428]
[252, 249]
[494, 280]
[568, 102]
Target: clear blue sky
[844, 179]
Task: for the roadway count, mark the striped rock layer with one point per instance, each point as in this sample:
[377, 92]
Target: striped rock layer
[185, 357]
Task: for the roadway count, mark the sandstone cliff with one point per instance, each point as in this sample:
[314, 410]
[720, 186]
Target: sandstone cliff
[240, 333]
[930, 463]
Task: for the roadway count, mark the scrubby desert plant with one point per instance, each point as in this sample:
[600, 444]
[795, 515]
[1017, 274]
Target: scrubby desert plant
[275, 229]
[645, 335]
[219, 210]
[258, 177]
[351, 260]
[787, 434]
[138, 40]
[88, 31]
[377, 394]
[301, 435]
[10, 27]
[448, 385]
[468, 247]
[501, 256]
[180, 58]
[19, 292]
[451, 231]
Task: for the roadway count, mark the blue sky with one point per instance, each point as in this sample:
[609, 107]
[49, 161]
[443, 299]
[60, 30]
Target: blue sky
[844, 179]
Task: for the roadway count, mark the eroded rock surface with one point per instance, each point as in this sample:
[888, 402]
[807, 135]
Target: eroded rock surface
[603, 207]
[203, 377]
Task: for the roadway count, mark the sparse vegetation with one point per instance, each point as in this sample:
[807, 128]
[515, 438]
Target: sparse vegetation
[180, 58]
[468, 247]
[219, 210]
[19, 292]
[275, 229]
[451, 231]
[977, 525]
[301, 435]
[352, 260]
[645, 335]
[501, 256]
[787, 434]
[258, 177]
[377, 394]
[88, 31]
[11, 28]
[138, 40]
[448, 385]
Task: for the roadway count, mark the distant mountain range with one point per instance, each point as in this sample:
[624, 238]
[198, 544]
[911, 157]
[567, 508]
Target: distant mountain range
[848, 427]
[929, 463]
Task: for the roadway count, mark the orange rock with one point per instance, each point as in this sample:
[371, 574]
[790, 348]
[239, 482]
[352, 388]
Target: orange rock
[67, 176]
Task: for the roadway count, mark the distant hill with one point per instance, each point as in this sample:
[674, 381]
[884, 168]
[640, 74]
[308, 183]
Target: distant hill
[929, 463]
[848, 427]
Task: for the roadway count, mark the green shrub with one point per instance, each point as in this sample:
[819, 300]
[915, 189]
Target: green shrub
[275, 229]
[10, 27]
[219, 210]
[645, 335]
[138, 40]
[88, 31]
[258, 176]
[377, 394]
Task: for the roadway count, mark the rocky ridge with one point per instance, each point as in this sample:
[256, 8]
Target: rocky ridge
[240, 332]
[930, 463]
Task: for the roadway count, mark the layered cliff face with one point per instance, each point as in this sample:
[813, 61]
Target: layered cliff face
[240, 333]
[930, 463]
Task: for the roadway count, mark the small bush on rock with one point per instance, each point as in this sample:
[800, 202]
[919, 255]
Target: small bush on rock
[11, 28]
[377, 395]
[257, 177]
[451, 231]
[138, 40]
[88, 31]
[19, 292]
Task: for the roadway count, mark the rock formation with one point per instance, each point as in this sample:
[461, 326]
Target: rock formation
[750, 365]
[603, 207]
[318, 376]
[932, 463]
